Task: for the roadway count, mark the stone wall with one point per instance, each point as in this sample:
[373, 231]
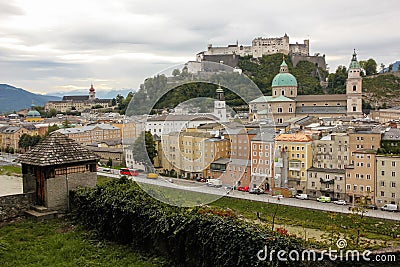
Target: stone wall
[56, 188]
[14, 205]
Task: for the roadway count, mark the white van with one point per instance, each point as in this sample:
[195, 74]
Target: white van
[389, 207]
[302, 196]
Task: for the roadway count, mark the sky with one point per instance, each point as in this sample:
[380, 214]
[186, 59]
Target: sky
[49, 46]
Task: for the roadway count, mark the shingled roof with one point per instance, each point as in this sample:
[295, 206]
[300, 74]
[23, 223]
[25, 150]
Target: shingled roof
[56, 149]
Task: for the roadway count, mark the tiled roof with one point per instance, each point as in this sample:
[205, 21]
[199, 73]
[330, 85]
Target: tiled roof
[393, 135]
[267, 98]
[311, 98]
[296, 137]
[56, 149]
[321, 110]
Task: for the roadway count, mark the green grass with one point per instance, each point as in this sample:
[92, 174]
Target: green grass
[103, 179]
[10, 170]
[286, 215]
[60, 243]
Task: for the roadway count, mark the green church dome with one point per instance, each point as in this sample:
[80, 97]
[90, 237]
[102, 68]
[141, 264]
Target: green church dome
[33, 114]
[284, 79]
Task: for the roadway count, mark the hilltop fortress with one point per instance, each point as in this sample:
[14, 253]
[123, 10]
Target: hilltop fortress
[262, 46]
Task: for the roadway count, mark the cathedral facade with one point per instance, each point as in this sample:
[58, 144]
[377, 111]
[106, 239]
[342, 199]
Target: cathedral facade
[285, 104]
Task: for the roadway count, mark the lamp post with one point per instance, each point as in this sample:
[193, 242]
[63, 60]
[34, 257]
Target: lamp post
[66, 183]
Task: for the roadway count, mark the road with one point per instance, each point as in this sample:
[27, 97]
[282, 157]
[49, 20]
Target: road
[202, 188]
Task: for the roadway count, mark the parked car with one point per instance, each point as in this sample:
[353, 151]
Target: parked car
[324, 199]
[302, 196]
[278, 196]
[243, 188]
[106, 170]
[390, 207]
[340, 202]
[370, 206]
[152, 175]
[256, 191]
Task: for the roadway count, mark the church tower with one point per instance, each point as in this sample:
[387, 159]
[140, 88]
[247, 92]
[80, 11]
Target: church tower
[354, 88]
[92, 93]
[220, 106]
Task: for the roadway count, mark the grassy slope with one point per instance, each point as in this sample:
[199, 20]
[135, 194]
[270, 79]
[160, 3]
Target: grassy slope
[60, 243]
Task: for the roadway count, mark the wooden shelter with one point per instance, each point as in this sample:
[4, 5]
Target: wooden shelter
[54, 166]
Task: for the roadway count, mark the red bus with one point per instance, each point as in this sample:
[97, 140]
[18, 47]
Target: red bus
[128, 172]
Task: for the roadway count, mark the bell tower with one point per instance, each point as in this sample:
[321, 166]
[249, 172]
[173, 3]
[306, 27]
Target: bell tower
[220, 105]
[92, 93]
[354, 88]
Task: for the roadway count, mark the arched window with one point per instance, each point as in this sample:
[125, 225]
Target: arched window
[354, 88]
[283, 92]
[291, 92]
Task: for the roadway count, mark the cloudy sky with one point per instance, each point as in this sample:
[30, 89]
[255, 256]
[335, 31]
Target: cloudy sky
[48, 46]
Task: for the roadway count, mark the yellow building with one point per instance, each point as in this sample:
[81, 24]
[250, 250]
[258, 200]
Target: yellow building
[98, 133]
[10, 136]
[190, 153]
[299, 152]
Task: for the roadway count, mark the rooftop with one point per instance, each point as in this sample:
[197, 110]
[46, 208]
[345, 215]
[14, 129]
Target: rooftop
[56, 149]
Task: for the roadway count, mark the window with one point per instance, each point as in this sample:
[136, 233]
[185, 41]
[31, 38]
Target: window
[382, 183]
[383, 173]
[354, 187]
[347, 187]
[393, 164]
[368, 188]
[382, 194]
[393, 184]
[393, 195]
[312, 183]
[368, 177]
[354, 88]
[354, 108]
[393, 174]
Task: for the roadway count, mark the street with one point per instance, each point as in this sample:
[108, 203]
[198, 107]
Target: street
[203, 188]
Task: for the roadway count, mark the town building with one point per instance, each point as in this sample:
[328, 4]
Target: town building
[298, 150]
[331, 154]
[361, 177]
[387, 179]
[262, 159]
[90, 134]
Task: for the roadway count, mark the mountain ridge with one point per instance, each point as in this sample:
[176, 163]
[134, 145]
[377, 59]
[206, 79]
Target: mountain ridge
[13, 98]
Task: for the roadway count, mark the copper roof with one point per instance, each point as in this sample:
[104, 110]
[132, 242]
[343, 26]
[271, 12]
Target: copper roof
[56, 149]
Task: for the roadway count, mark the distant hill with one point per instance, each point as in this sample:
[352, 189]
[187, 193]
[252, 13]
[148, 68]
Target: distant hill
[14, 99]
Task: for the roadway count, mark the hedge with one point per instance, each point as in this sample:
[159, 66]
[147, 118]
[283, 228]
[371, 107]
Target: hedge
[120, 211]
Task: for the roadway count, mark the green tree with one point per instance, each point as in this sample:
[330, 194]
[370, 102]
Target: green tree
[66, 123]
[51, 129]
[144, 149]
[176, 72]
[26, 141]
[369, 66]
[109, 162]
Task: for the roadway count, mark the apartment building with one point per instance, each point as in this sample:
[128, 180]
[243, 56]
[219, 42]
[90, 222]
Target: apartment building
[298, 149]
[262, 159]
[86, 135]
[327, 176]
[387, 179]
[361, 177]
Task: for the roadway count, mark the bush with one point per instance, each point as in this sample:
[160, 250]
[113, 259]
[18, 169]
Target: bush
[120, 211]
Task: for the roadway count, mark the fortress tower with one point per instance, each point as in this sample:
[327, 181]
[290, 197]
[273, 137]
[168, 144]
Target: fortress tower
[220, 105]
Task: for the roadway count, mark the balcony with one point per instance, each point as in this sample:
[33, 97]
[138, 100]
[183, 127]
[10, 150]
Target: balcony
[294, 166]
[324, 189]
[327, 181]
